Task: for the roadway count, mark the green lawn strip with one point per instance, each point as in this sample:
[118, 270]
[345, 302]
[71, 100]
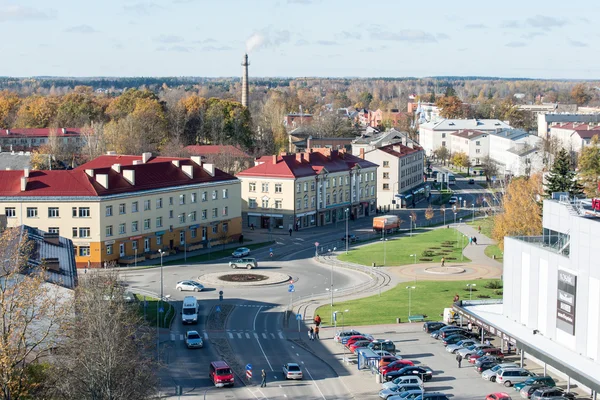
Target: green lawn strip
[165, 318]
[493, 251]
[486, 224]
[398, 251]
[428, 297]
[216, 254]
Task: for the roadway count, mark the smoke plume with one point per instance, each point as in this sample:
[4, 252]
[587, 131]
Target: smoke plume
[266, 38]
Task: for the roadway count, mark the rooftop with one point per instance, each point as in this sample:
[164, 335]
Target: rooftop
[469, 133]
[15, 160]
[399, 150]
[463, 124]
[203, 150]
[39, 132]
[510, 133]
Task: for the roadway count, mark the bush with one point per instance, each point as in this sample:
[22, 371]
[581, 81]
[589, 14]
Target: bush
[483, 296]
[497, 284]
[450, 258]
[425, 259]
[472, 289]
[428, 253]
[499, 292]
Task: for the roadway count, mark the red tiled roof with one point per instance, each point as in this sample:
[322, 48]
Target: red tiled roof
[158, 172]
[588, 134]
[576, 126]
[38, 132]
[288, 166]
[203, 150]
[404, 150]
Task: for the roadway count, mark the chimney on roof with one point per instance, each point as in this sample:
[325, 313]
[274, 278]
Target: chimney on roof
[209, 168]
[90, 172]
[197, 160]
[362, 153]
[64, 131]
[8, 131]
[397, 148]
[299, 158]
[146, 157]
[51, 263]
[23, 183]
[307, 156]
[129, 175]
[117, 167]
[111, 153]
[309, 142]
[175, 163]
[188, 170]
[26, 172]
[274, 158]
[102, 180]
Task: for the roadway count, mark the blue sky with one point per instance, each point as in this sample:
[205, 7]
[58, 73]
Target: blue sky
[526, 38]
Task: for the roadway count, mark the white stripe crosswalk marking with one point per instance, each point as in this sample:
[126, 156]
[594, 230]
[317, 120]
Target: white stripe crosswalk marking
[255, 335]
[272, 336]
[281, 335]
[247, 335]
[230, 335]
[239, 335]
[172, 337]
[205, 336]
[180, 337]
[264, 335]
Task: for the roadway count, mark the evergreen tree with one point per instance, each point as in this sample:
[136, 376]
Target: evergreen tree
[432, 97]
[561, 178]
[450, 92]
[589, 168]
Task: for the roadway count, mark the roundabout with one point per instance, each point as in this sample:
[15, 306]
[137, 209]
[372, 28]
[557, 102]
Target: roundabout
[263, 278]
[444, 270]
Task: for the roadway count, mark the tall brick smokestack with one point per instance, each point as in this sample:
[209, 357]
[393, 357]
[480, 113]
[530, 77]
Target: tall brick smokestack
[245, 90]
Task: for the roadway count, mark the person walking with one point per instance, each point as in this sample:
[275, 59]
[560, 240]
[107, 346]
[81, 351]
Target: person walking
[475, 240]
[311, 334]
[458, 360]
[317, 320]
[263, 383]
[479, 229]
[290, 232]
[443, 261]
[470, 240]
[317, 332]
[470, 327]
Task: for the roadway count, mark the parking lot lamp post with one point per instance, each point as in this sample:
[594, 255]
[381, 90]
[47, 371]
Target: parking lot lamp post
[470, 286]
[346, 211]
[410, 288]
[159, 304]
[473, 219]
[411, 221]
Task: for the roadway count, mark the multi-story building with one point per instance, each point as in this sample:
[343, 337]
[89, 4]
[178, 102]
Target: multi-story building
[372, 139]
[400, 173]
[545, 121]
[18, 139]
[115, 208]
[314, 188]
[574, 136]
[473, 143]
[515, 152]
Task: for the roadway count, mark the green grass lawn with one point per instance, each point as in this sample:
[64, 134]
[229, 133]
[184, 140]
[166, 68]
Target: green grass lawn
[428, 297]
[487, 224]
[217, 252]
[494, 250]
[165, 318]
[429, 246]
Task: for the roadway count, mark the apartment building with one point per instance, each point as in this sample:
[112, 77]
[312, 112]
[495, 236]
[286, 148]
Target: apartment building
[574, 136]
[314, 188]
[121, 207]
[400, 173]
[472, 142]
[24, 139]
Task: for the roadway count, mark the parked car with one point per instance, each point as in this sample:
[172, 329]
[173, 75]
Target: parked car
[241, 252]
[193, 340]
[351, 238]
[402, 380]
[386, 393]
[548, 393]
[189, 285]
[341, 335]
[485, 365]
[454, 331]
[386, 360]
[350, 341]
[435, 334]
[432, 396]
[452, 339]
[382, 344]
[423, 372]
[358, 344]
[247, 263]
[453, 200]
[452, 348]
[544, 380]
[486, 352]
[486, 359]
[526, 391]
[510, 376]
[471, 181]
[432, 326]
[467, 351]
[498, 396]
[490, 374]
[408, 395]
[292, 371]
[395, 366]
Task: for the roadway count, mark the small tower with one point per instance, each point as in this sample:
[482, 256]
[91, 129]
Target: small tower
[245, 90]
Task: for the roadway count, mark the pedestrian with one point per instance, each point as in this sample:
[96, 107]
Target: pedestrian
[508, 348]
[317, 332]
[251, 227]
[443, 261]
[459, 359]
[470, 327]
[241, 239]
[479, 228]
[456, 297]
[487, 342]
[311, 333]
[263, 383]
[475, 240]
[317, 320]
[470, 240]
[290, 232]
[105, 264]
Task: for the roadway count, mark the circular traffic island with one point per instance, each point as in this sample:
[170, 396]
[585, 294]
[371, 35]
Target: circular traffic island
[243, 278]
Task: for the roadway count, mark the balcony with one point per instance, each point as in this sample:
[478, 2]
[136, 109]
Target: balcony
[556, 242]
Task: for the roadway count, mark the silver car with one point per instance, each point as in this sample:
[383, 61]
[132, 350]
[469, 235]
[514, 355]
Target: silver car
[490, 374]
[452, 348]
[193, 340]
[189, 285]
[465, 352]
[397, 389]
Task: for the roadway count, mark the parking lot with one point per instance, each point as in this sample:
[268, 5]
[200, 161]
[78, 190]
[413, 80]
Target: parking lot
[415, 345]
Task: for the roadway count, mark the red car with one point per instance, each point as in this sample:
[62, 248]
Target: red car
[356, 338]
[395, 366]
[486, 352]
[498, 396]
[358, 344]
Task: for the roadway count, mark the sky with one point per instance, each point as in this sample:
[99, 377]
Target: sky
[298, 38]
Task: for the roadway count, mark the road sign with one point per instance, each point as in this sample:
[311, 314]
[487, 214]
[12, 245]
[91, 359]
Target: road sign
[291, 288]
[248, 374]
[299, 317]
[161, 310]
[316, 244]
[248, 367]
[291, 281]
[218, 309]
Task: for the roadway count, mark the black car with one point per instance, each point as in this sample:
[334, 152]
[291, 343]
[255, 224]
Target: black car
[453, 339]
[432, 326]
[425, 373]
[471, 181]
[351, 238]
[484, 366]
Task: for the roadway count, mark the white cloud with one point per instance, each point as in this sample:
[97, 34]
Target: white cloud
[404, 35]
[81, 29]
[216, 48]
[176, 48]
[327, 43]
[516, 44]
[545, 22]
[168, 39]
[141, 8]
[475, 26]
[22, 13]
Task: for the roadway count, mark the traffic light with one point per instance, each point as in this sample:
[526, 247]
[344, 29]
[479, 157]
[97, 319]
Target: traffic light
[220, 295]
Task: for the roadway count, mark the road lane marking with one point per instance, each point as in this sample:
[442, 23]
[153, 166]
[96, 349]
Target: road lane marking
[239, 335]
[205, 335]
[255, 335]
[264, 335]
[281, 335]
[230, 335]
[247, 335]
[258, 341]
[317, 386]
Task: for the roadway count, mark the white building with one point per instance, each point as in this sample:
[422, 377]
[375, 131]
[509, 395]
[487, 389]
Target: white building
[473, 143]
[373, 139]
[546, 120]
[574, 136]
[515, 152]
[433, 135]
[551, 301]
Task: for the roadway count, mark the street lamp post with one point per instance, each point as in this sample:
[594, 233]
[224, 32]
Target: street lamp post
[332, 285]
[415, 256]
[410, 288]
[470, 286]
[411, 223]
[159, 305]
[455, 217]
[473, 219]
[135, 259]
[444, 211]
[346, 211]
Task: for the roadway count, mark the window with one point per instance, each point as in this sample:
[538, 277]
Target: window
[147, 224]
[312, 186]
[443, 143]
[109, 249]
[181, 199]
[278, 204]
[159, 203]
[333, 182]
[74, 212]
[215, 212]
[328, 201]
[109, 230]
[372, 176]
[298, 187]
[74, 232]
[193, 233]
[10, 212]
[193, 216]
[204, 196]
[84, 251]
[225, 227]
[386, 164]
[146, 244]
[372, 190]
[334, 198]
[84, 232]
[313, 201]
[182, 237]
[146, 205]
[215, 229]
[84, 212]
[204, 231]
[443, 134]
[326, 183]
[158, 240]
[215, 195]
[277, 188]
[265, 203]
[171, 214]
[225, 193]
[122, 229]
[386, 175]
[251, 203]
[386, 186]
[252, 186]
[265, 187]
[134, 226]
[193, 197]
[204, 214]
[134, 245]
[54, 230]
[109, 211]
[53, 212]
[477, 151]
[477, 143]
[122, 209]
[170, 201]
[32, 212]
[347, 179]
[134, 207]
[306, 186]
[225, 211]
[159, 222]
[181, 218]
[305, 201]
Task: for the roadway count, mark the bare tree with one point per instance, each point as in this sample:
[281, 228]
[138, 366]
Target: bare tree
[107, 353]
[489, 167]
[94, 144]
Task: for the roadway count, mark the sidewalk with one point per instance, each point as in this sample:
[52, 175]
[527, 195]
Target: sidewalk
[476, 252]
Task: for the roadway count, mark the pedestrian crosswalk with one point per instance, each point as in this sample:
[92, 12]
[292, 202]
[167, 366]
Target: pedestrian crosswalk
[234, 335]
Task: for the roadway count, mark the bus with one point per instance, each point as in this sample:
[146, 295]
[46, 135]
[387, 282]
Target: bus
[451, 179]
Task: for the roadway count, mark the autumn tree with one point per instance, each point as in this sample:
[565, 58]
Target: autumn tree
[79, 108]
[561, 177]
[31, 312]
[9, 105]
[580, 94]
[429, 213]
[451, 107]
[442, 154]
[521, 209]
[489, 168]
[36, 112]
[333, 125]
[589, 168]
[461, 160]
[94, 142]
[107, 348]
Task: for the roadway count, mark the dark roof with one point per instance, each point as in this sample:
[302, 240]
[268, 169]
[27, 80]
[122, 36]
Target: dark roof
[400, 150]
[39, 132]
[469, 133]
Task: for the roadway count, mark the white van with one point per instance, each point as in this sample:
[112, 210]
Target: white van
[189, 311]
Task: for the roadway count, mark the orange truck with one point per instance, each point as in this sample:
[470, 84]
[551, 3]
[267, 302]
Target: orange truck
[387, 222]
